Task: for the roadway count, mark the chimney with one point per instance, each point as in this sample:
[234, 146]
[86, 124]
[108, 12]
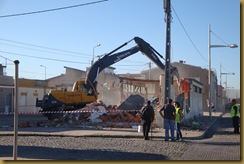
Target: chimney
[182, 61]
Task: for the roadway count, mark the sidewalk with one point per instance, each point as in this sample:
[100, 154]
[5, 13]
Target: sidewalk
[86, 131]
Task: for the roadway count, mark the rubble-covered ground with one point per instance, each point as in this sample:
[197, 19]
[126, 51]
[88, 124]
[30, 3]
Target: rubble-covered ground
[97, 114]
[100, 115]
[102, 120]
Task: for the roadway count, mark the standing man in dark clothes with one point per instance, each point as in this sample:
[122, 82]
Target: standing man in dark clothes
[168, 113]
[235, 114]
[147, 115]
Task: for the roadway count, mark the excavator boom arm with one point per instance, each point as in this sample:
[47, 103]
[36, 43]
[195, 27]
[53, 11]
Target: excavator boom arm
[105, 62]
[110, 58]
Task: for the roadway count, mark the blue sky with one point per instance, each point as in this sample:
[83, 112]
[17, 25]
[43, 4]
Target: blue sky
[70, 35]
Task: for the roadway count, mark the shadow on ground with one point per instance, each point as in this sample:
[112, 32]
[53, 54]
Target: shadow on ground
[30, 152]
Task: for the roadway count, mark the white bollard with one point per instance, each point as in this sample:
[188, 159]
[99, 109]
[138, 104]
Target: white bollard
[139, 128]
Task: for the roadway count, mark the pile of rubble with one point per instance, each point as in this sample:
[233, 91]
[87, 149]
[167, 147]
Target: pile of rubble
[124, 115]
[96, 113]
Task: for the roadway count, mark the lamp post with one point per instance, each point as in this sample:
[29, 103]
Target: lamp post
[209, 66]
[45, 70]
[226, 77]
[93, 53]
[221, 96]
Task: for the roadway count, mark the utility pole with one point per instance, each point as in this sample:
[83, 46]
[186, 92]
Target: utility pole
[150, 67]
[167, 76]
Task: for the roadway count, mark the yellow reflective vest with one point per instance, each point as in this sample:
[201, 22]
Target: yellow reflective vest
[177, 115]
[232, 111]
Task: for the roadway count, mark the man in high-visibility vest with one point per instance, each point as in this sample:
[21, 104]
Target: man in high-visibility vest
[235, 115]
[178, 120]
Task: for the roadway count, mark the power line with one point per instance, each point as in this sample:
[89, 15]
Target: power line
[49, 48]
[49, 10]
[43, 50]
[43, 58]
[28, 72]
[188, 35]
[53, 49]
[6, 58]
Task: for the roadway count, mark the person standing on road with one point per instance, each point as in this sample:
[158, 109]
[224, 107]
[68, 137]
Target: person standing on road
[168, 113]
[147, 115]
[178, 119]
[235, 115]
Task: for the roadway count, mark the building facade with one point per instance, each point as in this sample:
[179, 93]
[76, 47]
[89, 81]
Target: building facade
[6, 91]
[28, 91]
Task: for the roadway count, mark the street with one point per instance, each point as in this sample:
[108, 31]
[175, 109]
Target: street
[219, 144]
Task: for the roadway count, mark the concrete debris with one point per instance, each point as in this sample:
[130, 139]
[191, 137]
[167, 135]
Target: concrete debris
[133, 102]
[99, 111]
[99, 115]
[121, 117]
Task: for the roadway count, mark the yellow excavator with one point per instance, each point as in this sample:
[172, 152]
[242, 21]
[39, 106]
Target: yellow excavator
[85, 92]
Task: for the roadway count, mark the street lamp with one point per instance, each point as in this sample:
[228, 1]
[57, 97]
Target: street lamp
[209, 66]
[45, 70]
[221, 104]
[93, 53]
[226, 77]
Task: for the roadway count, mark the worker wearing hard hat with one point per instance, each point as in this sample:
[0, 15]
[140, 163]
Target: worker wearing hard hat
[235, 115]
